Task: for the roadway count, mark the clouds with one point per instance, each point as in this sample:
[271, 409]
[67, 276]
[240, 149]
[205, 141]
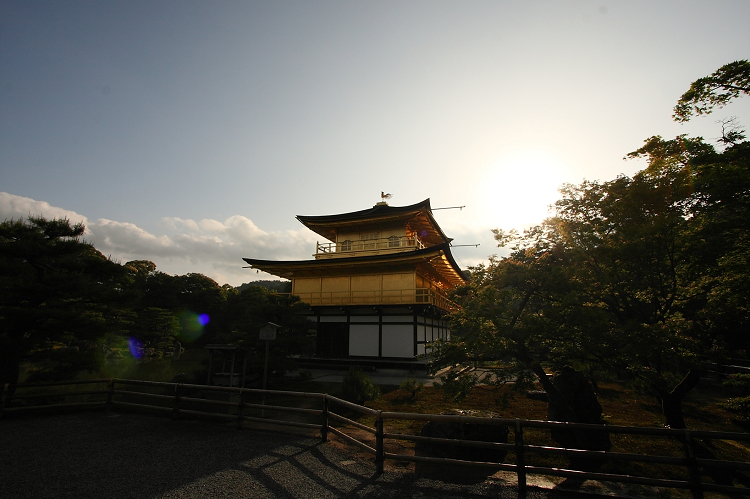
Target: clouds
[210, 247]
[216, 248]
[119, 238]
[16, 207]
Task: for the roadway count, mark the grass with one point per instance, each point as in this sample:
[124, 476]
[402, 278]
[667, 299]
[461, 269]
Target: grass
[621, 406]
[92, 365]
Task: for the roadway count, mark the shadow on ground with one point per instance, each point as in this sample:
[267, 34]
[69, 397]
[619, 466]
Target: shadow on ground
[128, 455]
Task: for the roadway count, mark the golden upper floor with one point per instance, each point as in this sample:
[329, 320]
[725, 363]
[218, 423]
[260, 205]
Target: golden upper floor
[381, 229]
[382, 255]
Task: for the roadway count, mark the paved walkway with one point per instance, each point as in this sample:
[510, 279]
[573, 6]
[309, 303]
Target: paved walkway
[127, 455]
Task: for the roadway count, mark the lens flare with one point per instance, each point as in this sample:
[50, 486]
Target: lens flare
[136, 348]
[118, 356]
[191, 326]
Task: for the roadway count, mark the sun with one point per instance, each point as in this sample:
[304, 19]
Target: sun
[518, 188]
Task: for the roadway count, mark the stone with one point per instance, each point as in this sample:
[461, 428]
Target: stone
[540, 395]
[580, 396]
[461, 431]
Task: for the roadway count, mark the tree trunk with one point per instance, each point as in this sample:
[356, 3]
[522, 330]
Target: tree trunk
[592, 380]
[564, 409]
[671, 402]
[571, 399]
[671, 408]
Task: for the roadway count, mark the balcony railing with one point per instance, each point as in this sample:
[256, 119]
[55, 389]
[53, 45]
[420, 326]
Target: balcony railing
[379, 297]
[392, 243]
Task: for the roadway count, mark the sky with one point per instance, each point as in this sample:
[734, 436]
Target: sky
[191, 133]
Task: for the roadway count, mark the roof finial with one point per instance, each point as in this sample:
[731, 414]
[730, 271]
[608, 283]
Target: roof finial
[384, 196]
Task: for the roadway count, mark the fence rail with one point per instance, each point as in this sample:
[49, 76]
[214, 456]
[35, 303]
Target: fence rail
[350, 246]
[232, 403]
[377, 297]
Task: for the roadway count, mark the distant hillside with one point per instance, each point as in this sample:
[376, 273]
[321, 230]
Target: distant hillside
[277, 286]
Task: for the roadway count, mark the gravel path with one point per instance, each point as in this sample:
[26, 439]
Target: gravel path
[128, 455]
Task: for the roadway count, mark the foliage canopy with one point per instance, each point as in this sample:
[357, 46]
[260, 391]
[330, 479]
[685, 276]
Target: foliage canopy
[726, 83]
[643, 277]
[62, 299]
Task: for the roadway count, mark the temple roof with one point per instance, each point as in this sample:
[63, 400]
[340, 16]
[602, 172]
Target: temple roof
[435, 258]
[418, 216]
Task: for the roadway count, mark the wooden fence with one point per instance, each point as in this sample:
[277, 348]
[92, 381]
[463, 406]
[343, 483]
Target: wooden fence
[316, 411]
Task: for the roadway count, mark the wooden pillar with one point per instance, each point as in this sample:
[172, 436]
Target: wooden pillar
[692, 466]
[210, 366]
[324, 426]
[520, 459]
[231, 373]
[379, 449]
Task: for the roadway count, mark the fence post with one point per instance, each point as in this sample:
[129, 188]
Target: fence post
[241, 409]
[324, 426]
[692, 466]
[110, 394]
[176, 403]
[520, 459]
[379, 451]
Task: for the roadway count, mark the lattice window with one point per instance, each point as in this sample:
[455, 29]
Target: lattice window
[370, 240]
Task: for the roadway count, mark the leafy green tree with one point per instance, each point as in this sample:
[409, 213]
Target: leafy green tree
[276, 286]
[57, 288]
[633, 259]
[643, 275]
[726, 83]
[54, 286]
[247, 311]
[170, 307]
[648, 272]
[139, 272]
[156, 327]
[522, 314]
[716, 233]
[599, 284]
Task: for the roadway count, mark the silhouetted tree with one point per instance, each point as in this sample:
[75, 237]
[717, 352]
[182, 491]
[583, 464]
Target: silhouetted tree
[726, 83]
[54, 287]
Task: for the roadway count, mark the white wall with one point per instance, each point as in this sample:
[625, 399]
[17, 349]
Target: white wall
[363, 339]
[398, 340]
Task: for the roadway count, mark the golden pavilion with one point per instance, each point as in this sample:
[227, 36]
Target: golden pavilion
[377, 286]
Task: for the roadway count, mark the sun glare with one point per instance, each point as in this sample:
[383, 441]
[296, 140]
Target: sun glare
[517, 189]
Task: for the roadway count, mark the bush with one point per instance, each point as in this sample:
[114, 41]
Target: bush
[358, 388]
[738, 384]
[456, 387]
[412, 386]
[740, 405]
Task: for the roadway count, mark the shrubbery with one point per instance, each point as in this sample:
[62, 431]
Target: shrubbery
[358, 387]
[412, 386]
[738, 384]
[739, 405]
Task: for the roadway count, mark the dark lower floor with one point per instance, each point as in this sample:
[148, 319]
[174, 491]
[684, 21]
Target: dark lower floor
[395, 332]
